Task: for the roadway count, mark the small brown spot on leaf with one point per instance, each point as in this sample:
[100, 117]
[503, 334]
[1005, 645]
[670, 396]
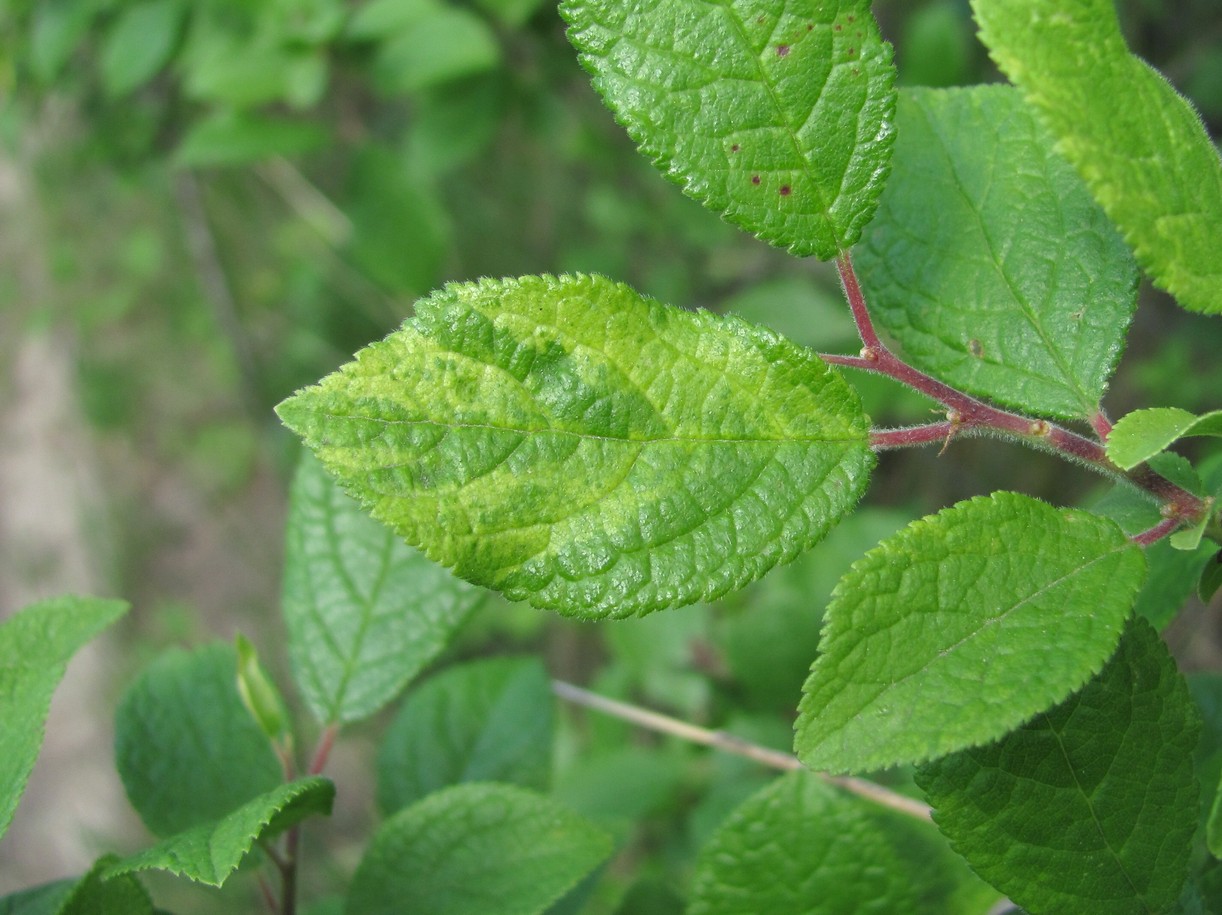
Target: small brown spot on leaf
[975, 347]
[838, 27]
[851, 17]
[782, 50]
[786, 190]
[735, 148]
[810, 27]
[852, 52]
[755, 179]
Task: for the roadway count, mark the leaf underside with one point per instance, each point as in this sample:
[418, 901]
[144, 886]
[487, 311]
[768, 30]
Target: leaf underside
[776, 115]
[365, 612]
[1029, 311]
[961, 627]
[571, 442]
[1091, 806]
[1140, 146]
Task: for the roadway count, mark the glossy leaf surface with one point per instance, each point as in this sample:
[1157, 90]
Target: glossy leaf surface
[776, 115]
[1140, 146]
[568, 441]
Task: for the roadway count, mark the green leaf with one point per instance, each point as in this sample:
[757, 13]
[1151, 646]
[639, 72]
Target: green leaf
[91, 894]
[1140, 435]
[474, 849]
[1211, 578]
[1090, 807]
[140, 43]
[380, 19]
[365, 612]
[1028, 311]
[187, 750]
[236, 139]
[210, 852]
[442, 45]
[483, 721]
[1138, 144]
[35, 647]
[800, 845]
[961, 627]
[56, 29]
[776, 115]
[568, 441]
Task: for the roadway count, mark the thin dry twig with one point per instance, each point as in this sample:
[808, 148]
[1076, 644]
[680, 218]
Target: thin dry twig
[728, 743]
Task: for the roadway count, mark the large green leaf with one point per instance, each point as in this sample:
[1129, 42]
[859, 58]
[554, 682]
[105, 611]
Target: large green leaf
[35, 646]
[775, 114]
[1140, 146]
[1090, 807]
[988, 260]
[93, 893]
[961, 627]
[187, 749]
[473, 849]
[571, 442]
[487, 721]
[799, 846]
[365, 612]
[210, 852]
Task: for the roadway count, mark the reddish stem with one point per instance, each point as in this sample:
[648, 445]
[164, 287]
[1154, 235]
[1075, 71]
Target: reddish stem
[325, 742]
[966, 413]
[1101, 424]
[1156, 533]
[882, 439]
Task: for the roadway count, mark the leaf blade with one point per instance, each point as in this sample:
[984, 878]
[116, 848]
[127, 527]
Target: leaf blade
[209, 852]
[1091, 806]
[1140, 146]
[1029, 312]
[1140, 435]
[777, 116]
[187, 750]
[934, 640]
[365, 612]
[476, 848]
[568, 441]
[35, 647]
[485, 721]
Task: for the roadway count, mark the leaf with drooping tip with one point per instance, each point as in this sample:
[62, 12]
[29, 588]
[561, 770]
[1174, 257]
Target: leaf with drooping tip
[776, 115]
[961, 627]
[571, 442]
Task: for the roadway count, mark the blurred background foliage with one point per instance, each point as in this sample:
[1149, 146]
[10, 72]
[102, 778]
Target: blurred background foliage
[209, 203]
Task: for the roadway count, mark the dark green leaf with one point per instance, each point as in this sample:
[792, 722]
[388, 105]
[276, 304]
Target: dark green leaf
[474, 849]
[568, 441]
[776, 115]
[1090, 807]
[187, 750]
[483, 721]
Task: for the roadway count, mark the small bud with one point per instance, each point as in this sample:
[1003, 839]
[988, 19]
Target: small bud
[260, 696]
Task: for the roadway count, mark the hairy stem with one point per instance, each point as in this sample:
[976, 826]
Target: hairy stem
[967, 414]
[720, 740]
